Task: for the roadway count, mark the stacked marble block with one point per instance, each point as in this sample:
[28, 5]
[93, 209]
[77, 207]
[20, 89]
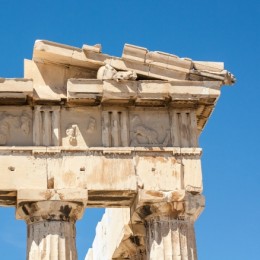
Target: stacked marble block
[85, 129]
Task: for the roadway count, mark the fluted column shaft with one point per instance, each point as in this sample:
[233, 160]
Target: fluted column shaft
[170, 239]
[168, 218]
[53, 240]
[51, 229]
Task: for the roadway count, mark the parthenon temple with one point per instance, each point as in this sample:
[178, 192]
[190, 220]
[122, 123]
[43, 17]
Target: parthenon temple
[84, 129]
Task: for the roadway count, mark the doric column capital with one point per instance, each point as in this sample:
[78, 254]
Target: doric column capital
[50, 215]
[173, 204]
[45, 205]
[194, 205]
[50, 228]
[38, 211]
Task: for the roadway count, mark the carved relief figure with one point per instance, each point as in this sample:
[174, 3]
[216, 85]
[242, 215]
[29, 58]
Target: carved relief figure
[91, 125]
[143, 135]
[141, 132]
[149, 134]
[108, 72]
[167, 138]
[125, 75]
[25, 124]
[7, 121]
[77, 134]
[72, 133]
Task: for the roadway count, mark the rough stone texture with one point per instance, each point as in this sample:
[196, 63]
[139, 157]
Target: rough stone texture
[170, 239]
[51, 240]
[114, 224]
[158, 226]
[86, 129]
[50, 227]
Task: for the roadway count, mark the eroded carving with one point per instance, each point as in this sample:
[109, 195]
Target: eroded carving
[72, 133]
[142, 135]
[92, 125]
[7, 121]
[125, 75]
[81, 127]
[25, 124]
[193, 189]
[108, 72]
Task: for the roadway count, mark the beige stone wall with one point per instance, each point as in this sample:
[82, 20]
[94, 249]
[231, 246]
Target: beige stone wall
[86, 129]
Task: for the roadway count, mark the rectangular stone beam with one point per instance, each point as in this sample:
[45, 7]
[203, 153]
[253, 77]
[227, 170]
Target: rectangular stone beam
[111, 176]
[155, 64]
[111, 91]
[201, 96]
[68, 55]
[15, 91]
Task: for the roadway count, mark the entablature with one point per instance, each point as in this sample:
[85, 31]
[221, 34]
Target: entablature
[16, 91]
[66, 76]
[97, 126]
[142, 92]
[111, 177]
[153, 64]
[81, 119]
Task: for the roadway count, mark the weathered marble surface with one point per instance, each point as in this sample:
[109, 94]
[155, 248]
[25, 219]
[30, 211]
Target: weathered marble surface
[86, 129]
[51, 230]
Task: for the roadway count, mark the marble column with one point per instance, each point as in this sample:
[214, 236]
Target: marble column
[169, 226]
[51, 229]
[169, 238]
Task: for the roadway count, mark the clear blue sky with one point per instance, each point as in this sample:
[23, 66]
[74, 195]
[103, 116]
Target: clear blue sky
[220, 30]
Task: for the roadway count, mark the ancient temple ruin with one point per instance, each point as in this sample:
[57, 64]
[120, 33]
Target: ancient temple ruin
[85, 129]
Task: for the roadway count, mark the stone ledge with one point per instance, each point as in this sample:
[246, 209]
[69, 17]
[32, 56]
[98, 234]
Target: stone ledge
[153, 64]
[112, 150]
[91, 91]
[16, 85]
[15, 91]
[27, 195]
